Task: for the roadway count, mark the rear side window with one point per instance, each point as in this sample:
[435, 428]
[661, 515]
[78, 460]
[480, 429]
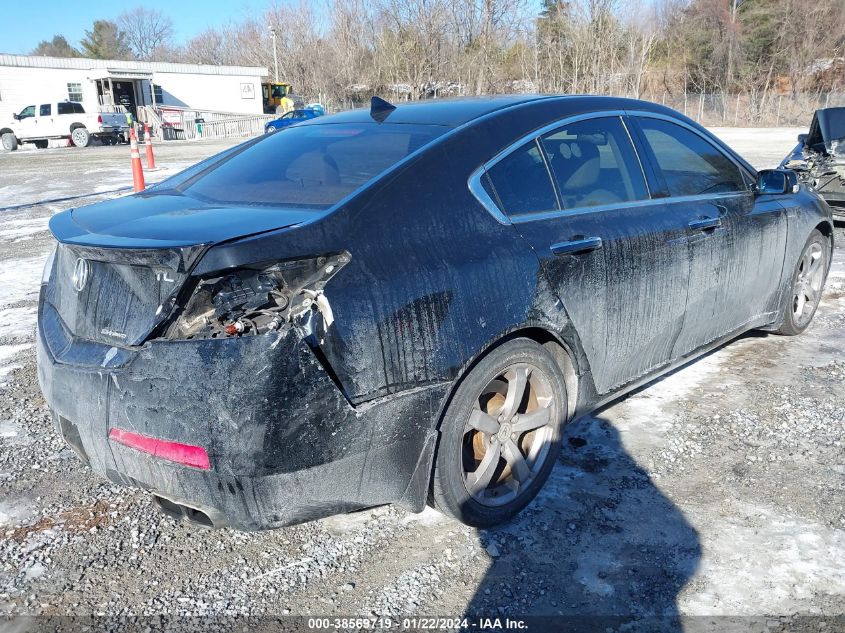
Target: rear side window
[310, 166]
[45, 109]
[65, 108]
[593, 163]
[689, 164]
[77, 108]
[521, 181]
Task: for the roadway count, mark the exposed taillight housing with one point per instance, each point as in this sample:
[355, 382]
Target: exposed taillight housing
[258, 299]
[99, 118]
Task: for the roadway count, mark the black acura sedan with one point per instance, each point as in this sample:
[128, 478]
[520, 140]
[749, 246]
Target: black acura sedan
[405, 304]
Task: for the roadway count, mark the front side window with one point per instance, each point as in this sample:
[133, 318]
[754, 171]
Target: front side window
[594, 163]
[45, 109]
[521, 181]
[74, 92]
[65, 108]
[28, 111]
[309, 166]
[690, 165]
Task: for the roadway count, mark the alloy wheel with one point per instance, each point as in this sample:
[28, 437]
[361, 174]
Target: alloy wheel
[508, 435]
[806, 291]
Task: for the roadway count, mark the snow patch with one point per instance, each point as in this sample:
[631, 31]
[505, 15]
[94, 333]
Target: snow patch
[7, 353]
[23, 228]
[758, 561]
[18, 323]
[23, 279]
[14, 511]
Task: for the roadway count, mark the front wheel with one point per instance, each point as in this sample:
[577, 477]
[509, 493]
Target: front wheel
[9, 142]
[807, 282]
[500, 435]
[80, 137]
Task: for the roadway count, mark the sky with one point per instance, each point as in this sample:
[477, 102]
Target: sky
[26, 25]
[24, 29]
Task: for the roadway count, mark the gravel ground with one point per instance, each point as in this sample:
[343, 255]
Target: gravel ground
[716, 491]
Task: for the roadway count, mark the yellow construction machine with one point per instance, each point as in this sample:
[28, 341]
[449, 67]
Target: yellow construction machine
[273, 93]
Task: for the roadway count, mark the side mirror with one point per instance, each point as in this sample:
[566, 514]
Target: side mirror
[802, 139]
[16, 117]
[776, 181]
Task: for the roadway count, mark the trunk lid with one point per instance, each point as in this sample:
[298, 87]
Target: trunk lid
[167, 220]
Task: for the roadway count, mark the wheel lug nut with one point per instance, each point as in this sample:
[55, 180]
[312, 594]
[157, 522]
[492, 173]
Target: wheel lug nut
[513, 436]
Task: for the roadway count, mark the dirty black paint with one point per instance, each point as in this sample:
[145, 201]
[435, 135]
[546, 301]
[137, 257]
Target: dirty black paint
[328, 415]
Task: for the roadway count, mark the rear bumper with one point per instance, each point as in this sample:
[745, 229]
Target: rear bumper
[284, 445]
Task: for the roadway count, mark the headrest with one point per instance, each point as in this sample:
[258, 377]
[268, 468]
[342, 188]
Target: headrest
[314, 168]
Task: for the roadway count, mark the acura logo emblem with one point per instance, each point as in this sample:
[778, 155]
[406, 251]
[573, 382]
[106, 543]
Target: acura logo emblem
[80, 274]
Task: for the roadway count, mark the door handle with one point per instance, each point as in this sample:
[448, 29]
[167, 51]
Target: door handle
[705, 224]
[576, 246]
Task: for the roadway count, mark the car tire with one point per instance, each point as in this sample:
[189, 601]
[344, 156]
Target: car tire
[478, 478]
[41, 144]
[806, 285]
[80, 137]
[9, 142]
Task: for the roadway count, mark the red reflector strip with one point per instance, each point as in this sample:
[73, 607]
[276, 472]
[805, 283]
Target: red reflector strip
[194, 456]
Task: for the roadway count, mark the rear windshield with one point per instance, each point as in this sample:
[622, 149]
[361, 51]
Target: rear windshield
[311, 166]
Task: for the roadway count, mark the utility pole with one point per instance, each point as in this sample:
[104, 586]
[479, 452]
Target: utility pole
[275, 54]
[735, 4]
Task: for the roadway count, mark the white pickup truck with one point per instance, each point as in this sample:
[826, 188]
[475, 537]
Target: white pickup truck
[63, 119]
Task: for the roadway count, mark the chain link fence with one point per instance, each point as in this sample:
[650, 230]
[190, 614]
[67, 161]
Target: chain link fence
[750, 109]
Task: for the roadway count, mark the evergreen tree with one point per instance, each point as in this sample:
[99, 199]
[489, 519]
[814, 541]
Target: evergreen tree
[105, 41]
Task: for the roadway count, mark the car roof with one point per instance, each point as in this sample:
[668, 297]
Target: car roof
[450, 112]
[454, 112]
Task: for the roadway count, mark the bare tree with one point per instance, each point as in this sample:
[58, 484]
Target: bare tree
[145, 30]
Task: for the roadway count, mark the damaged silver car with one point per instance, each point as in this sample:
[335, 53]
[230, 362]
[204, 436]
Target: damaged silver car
[406, 304]
[819, 158]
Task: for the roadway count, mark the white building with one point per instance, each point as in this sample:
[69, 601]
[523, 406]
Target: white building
[27, 80]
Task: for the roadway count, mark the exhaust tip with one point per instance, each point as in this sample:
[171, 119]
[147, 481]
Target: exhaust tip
[195, 516]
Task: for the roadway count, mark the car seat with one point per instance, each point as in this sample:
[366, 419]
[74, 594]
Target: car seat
[577, 168]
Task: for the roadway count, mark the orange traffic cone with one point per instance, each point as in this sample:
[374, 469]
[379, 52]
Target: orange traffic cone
[137, 170]
[151, 161]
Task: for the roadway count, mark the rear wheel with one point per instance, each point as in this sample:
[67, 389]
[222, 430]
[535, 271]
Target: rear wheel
[9, 142]
[80, 137]
[806, 285]
[499, 436]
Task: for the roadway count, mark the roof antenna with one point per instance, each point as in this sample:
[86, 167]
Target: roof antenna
[380, 109]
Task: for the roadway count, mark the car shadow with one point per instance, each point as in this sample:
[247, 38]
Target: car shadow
[600, 546]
